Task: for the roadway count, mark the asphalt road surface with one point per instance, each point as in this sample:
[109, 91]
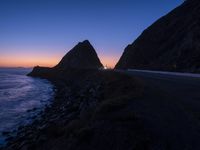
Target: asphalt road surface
[170, 109]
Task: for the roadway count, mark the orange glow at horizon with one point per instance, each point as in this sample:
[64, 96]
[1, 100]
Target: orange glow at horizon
[50, 61]
[109, 61]
[14, 61]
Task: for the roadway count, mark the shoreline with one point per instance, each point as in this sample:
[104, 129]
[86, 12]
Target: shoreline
[23, 99]
[84, 106]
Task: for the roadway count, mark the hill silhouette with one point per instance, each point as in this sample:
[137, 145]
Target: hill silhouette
[171, 43]
[82, 56]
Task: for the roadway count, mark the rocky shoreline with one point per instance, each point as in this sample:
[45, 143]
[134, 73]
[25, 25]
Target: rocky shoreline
[88, 112]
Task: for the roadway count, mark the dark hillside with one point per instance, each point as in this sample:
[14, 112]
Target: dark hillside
[171, 43]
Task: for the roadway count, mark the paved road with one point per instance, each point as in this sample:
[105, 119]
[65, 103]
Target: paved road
[170, 109]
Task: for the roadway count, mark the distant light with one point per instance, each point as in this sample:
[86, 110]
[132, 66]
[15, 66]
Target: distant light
[105, 67]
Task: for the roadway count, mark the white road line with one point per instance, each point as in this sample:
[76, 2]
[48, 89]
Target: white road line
[167, 73]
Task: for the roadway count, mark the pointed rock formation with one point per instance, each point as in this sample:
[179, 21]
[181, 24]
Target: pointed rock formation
[172, 43]
[82, 56]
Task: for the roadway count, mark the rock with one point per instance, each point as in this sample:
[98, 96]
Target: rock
[82, 56]
[171, 43]
[40, 71]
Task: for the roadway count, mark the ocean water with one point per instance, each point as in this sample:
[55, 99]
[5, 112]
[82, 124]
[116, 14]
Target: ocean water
[21, 99]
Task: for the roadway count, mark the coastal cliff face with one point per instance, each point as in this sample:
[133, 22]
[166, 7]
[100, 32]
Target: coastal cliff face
[82, 56]
[171, 43]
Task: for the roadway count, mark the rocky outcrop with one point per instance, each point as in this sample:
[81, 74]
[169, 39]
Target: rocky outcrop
[171, 43]
[40, 71]
[82, 56]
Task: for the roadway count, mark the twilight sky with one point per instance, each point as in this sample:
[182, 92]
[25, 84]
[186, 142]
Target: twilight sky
[40, 32]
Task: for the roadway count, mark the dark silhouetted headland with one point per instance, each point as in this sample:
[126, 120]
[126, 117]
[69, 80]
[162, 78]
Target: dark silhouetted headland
[171, 43]
[82, 56]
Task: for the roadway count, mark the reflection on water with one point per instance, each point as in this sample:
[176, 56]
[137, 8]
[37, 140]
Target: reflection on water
[18, 95]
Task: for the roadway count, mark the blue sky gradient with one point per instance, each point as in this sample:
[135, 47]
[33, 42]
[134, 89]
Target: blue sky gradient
[44, 30]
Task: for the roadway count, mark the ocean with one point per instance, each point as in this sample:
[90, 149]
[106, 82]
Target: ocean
[21, 99]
